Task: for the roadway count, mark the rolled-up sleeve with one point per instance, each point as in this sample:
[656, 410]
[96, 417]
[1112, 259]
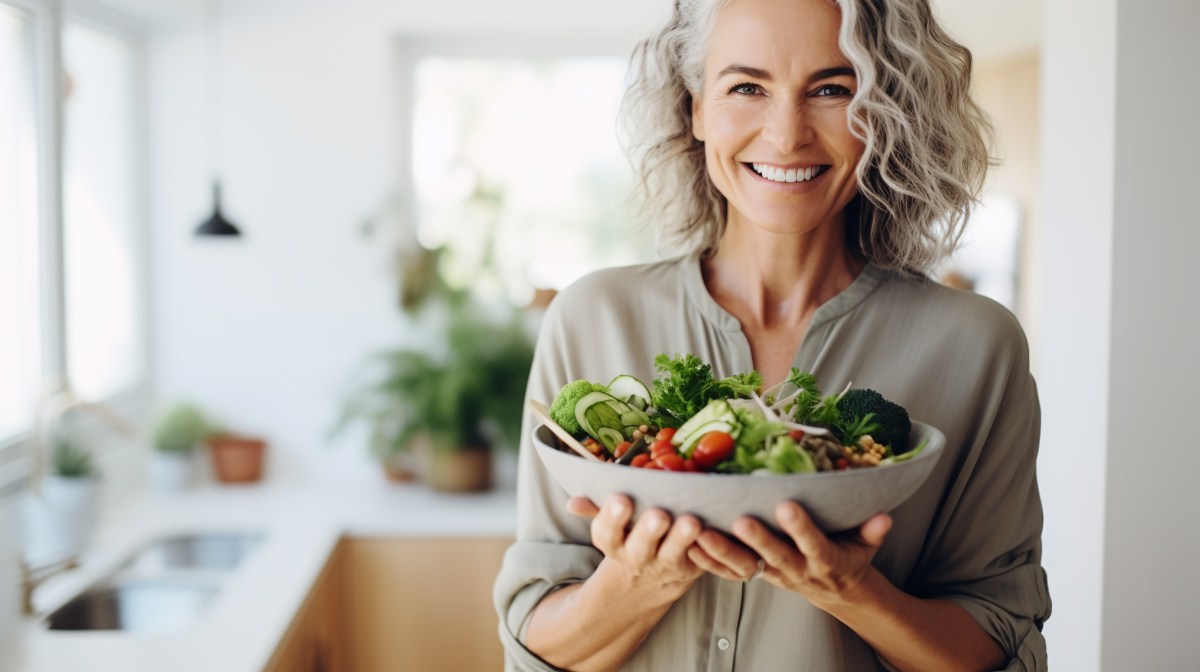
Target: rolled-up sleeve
[553, 548]
[984, 550]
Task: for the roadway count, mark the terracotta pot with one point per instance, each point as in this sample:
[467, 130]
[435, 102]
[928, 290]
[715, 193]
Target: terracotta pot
[400, 468]
[463, 470]
[237, 459]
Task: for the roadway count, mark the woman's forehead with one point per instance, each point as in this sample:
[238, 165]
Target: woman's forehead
[787, 37]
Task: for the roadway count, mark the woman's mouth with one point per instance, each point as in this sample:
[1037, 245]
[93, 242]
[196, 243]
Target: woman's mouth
[786, 175]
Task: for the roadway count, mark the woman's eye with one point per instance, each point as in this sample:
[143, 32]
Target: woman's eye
[745, 88]
[832, 90]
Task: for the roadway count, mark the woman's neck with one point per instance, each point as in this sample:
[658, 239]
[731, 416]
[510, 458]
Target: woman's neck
[779, 280]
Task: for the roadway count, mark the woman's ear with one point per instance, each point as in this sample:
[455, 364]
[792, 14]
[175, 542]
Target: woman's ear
[697, 118]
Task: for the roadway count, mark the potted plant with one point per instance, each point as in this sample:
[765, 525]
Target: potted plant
[237, 458]
[441, 413]
[177, 432]
[61, 514]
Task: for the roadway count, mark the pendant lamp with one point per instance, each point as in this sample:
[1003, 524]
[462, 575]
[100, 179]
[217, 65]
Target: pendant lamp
[216, 224]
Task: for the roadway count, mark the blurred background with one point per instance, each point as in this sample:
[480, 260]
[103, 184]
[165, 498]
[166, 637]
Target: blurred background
[271, 272]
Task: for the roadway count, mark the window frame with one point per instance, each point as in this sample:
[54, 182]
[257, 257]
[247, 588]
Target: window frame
[49, 18]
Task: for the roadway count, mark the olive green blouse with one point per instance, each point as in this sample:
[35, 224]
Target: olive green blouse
[971, 534]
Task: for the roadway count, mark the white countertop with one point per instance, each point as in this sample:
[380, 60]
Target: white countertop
[241, 627]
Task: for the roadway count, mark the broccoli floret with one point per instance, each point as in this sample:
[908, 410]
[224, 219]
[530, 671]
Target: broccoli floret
[562, 410]
[893, 422]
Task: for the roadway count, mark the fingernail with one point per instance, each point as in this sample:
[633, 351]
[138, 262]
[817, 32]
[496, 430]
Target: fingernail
[788, 513]
[657, 524]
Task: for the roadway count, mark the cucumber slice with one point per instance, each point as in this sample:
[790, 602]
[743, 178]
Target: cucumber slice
[625, 386]
[609, 437]
[717, 411]
[598, 411]
[582, 406]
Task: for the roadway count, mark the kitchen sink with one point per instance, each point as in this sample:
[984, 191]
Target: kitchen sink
[163, 587]
[218, 551]
[135, 606]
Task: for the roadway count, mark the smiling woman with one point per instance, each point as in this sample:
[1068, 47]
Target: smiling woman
[809, 161]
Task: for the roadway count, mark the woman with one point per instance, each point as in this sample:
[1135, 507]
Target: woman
[812, 159]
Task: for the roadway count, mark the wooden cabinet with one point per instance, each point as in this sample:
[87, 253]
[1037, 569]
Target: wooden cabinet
[317, 640]
[395, 604]
[424, 604]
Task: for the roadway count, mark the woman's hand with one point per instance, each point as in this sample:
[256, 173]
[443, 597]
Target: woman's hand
[807, 562]
[654, 552]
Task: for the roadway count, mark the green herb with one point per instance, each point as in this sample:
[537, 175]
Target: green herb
[179, 428]
[685, 385]
[71, 460]
[857, 428]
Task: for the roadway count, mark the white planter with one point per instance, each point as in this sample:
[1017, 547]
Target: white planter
[59, 521]
[171, 472]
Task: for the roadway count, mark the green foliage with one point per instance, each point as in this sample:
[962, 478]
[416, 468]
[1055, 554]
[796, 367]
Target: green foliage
[562, 410]
[70, 459]
[179, 428]
[685, 385]
[853, 429]
[469, 396]
[787, 457]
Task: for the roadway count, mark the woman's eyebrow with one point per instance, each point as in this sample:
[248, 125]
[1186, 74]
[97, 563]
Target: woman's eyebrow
[759, 73]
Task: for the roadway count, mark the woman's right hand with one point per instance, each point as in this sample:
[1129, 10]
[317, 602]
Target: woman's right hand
[653, 552]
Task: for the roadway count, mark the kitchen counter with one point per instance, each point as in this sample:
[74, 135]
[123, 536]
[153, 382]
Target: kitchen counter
[241, 627]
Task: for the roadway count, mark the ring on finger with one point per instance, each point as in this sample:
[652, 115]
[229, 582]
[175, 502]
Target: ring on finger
[762, 567]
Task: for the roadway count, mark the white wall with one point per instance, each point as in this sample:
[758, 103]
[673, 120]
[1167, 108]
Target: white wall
[1119, 332]
[265, 331]
[1151, 587]
[1074, 315]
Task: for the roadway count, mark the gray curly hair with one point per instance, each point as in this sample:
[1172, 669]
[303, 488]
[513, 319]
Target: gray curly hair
[926, 142]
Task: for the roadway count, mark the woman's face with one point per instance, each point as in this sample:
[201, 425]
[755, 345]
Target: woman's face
[773, 115]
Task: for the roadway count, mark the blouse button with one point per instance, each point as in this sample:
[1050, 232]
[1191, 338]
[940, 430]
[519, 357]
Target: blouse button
[723, 644]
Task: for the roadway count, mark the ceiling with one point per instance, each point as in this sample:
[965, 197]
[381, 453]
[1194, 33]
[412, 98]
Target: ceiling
[991, 29]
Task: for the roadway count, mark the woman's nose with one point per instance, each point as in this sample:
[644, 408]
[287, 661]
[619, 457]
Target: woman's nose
[787, 128]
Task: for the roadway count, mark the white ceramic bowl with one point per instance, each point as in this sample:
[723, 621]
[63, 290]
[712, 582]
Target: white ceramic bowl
[836, 500]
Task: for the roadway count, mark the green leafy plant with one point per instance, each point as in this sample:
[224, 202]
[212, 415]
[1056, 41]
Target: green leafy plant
[467, 397]
[179, 428]
[70, 459]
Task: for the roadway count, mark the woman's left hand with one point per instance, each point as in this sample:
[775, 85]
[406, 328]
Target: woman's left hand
[808, 562]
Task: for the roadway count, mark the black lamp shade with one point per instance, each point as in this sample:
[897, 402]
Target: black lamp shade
[216, 224]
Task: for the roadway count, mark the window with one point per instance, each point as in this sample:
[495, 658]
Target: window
[20, 337]
[71, 233]
[516, 168]
[100, 215]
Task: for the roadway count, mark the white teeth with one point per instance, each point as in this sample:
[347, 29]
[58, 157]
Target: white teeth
[789, 175]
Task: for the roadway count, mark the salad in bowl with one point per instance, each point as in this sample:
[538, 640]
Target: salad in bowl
[720, 448]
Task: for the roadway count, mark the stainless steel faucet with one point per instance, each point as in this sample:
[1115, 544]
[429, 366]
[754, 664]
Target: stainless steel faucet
[32, 577]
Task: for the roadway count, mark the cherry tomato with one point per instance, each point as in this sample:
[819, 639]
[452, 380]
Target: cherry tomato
[670, 462]
[660, 448]
[690, 465]
[652, 465]
[841, 463]
[665, 434]
[796, 435]
[712, 449]
[641, 460]
[621, 448]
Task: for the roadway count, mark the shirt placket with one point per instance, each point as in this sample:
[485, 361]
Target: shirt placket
[723, 642]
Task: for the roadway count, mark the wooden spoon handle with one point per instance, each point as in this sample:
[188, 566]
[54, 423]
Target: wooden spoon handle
[539, 409]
